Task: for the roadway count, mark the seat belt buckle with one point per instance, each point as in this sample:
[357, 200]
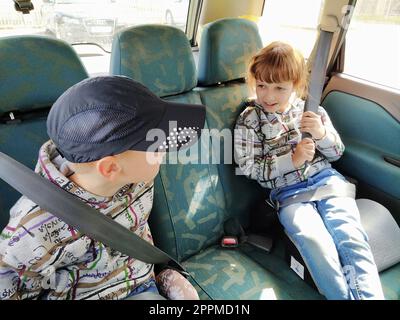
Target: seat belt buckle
[10, 117]
[273, 204]
[229, 242]
[277, 205]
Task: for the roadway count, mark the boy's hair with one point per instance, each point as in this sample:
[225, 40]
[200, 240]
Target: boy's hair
[279, 62]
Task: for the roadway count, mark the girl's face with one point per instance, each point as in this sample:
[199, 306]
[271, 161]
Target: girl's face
[273, 97]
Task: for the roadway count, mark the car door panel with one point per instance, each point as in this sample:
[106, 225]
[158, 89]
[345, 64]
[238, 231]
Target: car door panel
[369, 125]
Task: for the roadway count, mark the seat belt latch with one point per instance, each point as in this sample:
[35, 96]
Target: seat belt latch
[229, 242]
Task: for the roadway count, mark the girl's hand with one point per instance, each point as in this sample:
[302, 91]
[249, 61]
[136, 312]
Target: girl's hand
[305, 151]
[312, 124]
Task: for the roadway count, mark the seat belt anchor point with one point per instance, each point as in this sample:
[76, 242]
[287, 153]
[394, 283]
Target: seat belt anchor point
[229, 242]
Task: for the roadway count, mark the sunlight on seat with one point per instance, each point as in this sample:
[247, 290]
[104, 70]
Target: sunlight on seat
[268, 294]
[198, 196]
[200, 192]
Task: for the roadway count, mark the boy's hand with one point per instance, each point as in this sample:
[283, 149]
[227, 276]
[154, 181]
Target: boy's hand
[175, 286]
[305, 151]
[312, 124]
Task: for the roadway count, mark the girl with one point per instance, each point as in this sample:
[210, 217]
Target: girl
[269, 148]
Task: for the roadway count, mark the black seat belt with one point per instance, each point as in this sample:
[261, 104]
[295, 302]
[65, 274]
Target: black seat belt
[317, 78]
[318, 70]
[79, 215]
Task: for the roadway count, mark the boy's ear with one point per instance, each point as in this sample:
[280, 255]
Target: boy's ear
[108, 167]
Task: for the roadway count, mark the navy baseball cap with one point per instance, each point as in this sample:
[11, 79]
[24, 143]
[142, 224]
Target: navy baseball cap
[107, 115]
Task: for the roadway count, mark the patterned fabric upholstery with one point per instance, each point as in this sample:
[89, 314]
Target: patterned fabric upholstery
[235, 274]
[158, 56]
[226, 47]
[34, 72]
[189, 206]
[224, 103]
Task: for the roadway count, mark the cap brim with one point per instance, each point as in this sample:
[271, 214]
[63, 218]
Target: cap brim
[180, 127]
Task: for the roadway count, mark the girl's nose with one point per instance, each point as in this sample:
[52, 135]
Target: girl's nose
[269, 98]
[269, 94]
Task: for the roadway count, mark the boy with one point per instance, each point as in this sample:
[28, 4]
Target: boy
[99, 152]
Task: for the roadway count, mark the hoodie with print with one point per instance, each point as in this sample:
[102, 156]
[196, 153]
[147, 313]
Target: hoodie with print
[43, 257]
[265, 142]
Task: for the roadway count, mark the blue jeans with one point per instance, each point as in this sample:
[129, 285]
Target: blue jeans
[331, 240]
[149, 286]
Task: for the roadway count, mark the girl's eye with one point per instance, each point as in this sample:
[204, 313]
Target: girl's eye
[260, 86]
[280, 88]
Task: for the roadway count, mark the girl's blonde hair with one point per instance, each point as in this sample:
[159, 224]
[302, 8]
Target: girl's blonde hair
[279, 62]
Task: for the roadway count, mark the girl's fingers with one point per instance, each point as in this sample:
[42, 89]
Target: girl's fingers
[310, 153]
[308, 150]
[307, 140]
[309, 127]
[310, 114]
[310, 122]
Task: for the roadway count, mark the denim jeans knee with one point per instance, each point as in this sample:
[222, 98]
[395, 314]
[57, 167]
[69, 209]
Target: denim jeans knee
[335, 248]
[305, 228]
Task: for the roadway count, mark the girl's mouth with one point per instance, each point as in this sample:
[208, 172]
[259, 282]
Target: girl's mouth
[270, 106]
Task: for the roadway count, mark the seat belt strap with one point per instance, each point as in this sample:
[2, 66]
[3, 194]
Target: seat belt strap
[79, 215]
[317, 78]
[320, 193]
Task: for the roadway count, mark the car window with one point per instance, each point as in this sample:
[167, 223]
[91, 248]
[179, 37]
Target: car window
[373, 42]
[90, 21]
[291, 21]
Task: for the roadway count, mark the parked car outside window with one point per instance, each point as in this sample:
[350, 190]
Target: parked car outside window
[77, 21]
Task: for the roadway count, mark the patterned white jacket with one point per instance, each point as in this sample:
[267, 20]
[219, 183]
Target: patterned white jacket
[264, 144]
[42, 256]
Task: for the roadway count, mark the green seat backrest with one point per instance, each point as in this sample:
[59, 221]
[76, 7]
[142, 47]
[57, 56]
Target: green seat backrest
[34, 72]
[155, 55]
[226, 48]
[189, 207]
